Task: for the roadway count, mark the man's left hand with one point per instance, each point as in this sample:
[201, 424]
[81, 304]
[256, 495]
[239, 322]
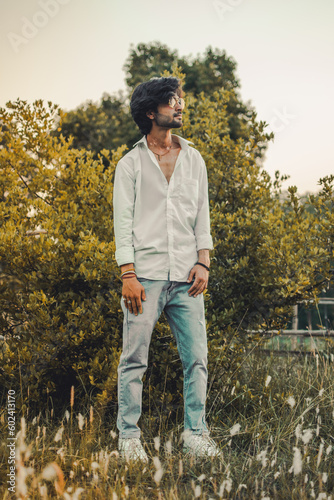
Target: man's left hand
[201, 280]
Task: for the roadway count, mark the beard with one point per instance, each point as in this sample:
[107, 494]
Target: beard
[167, 122]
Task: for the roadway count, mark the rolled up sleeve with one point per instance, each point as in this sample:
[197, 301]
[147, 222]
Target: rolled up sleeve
[123, 206]
[202, 225]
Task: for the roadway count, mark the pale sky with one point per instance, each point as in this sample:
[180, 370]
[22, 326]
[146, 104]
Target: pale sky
[70, 51]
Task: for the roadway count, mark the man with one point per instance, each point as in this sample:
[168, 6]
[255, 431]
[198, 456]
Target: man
[162, 232]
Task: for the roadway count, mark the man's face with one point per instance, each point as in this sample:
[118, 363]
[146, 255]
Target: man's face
[168, 116]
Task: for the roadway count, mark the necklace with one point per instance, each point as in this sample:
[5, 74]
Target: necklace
[159, 155]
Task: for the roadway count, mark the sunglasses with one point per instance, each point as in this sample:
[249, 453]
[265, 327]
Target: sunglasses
[176, 100]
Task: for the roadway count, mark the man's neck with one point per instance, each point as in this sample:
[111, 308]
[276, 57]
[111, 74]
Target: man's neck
[159, 138]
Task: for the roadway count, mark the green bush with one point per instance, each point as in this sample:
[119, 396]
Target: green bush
[59, 287]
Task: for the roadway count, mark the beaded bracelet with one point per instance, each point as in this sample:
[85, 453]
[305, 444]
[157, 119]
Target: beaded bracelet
[201, 264]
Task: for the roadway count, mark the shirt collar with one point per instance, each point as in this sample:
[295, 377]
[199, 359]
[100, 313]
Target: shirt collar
[183, 142]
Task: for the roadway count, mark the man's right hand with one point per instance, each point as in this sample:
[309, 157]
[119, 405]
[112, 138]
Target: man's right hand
[133, 293]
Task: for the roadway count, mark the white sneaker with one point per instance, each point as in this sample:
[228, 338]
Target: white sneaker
[200, 446]
[132, 449]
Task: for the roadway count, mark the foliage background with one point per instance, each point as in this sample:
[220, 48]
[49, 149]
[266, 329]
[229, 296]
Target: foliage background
[59, 290]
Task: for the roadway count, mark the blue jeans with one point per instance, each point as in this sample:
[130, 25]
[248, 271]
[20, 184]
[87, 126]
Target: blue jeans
[186, 318]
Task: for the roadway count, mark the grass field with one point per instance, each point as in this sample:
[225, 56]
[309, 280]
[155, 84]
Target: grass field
[275, 426]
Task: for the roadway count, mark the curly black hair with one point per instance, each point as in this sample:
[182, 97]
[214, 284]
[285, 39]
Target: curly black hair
[148, 95]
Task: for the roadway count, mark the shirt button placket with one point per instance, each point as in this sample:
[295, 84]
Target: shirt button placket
[170, 230]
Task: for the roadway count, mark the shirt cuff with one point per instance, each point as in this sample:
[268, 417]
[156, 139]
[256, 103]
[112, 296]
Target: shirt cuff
[125, 255]
[204, 242]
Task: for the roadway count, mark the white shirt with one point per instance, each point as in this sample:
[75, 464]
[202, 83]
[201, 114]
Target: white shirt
[160, 226]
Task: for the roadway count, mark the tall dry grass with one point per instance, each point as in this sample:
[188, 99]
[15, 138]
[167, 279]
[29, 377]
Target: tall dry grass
[275, 425]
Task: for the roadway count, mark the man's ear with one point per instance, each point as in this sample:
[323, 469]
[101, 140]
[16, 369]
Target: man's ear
[150, 115]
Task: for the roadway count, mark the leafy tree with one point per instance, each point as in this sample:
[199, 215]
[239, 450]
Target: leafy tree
[104, 125]
[212, 71]
[60, 315]
[208, 73]
[59, 287]
[108, 124]
[268, 255]
[146, 61]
